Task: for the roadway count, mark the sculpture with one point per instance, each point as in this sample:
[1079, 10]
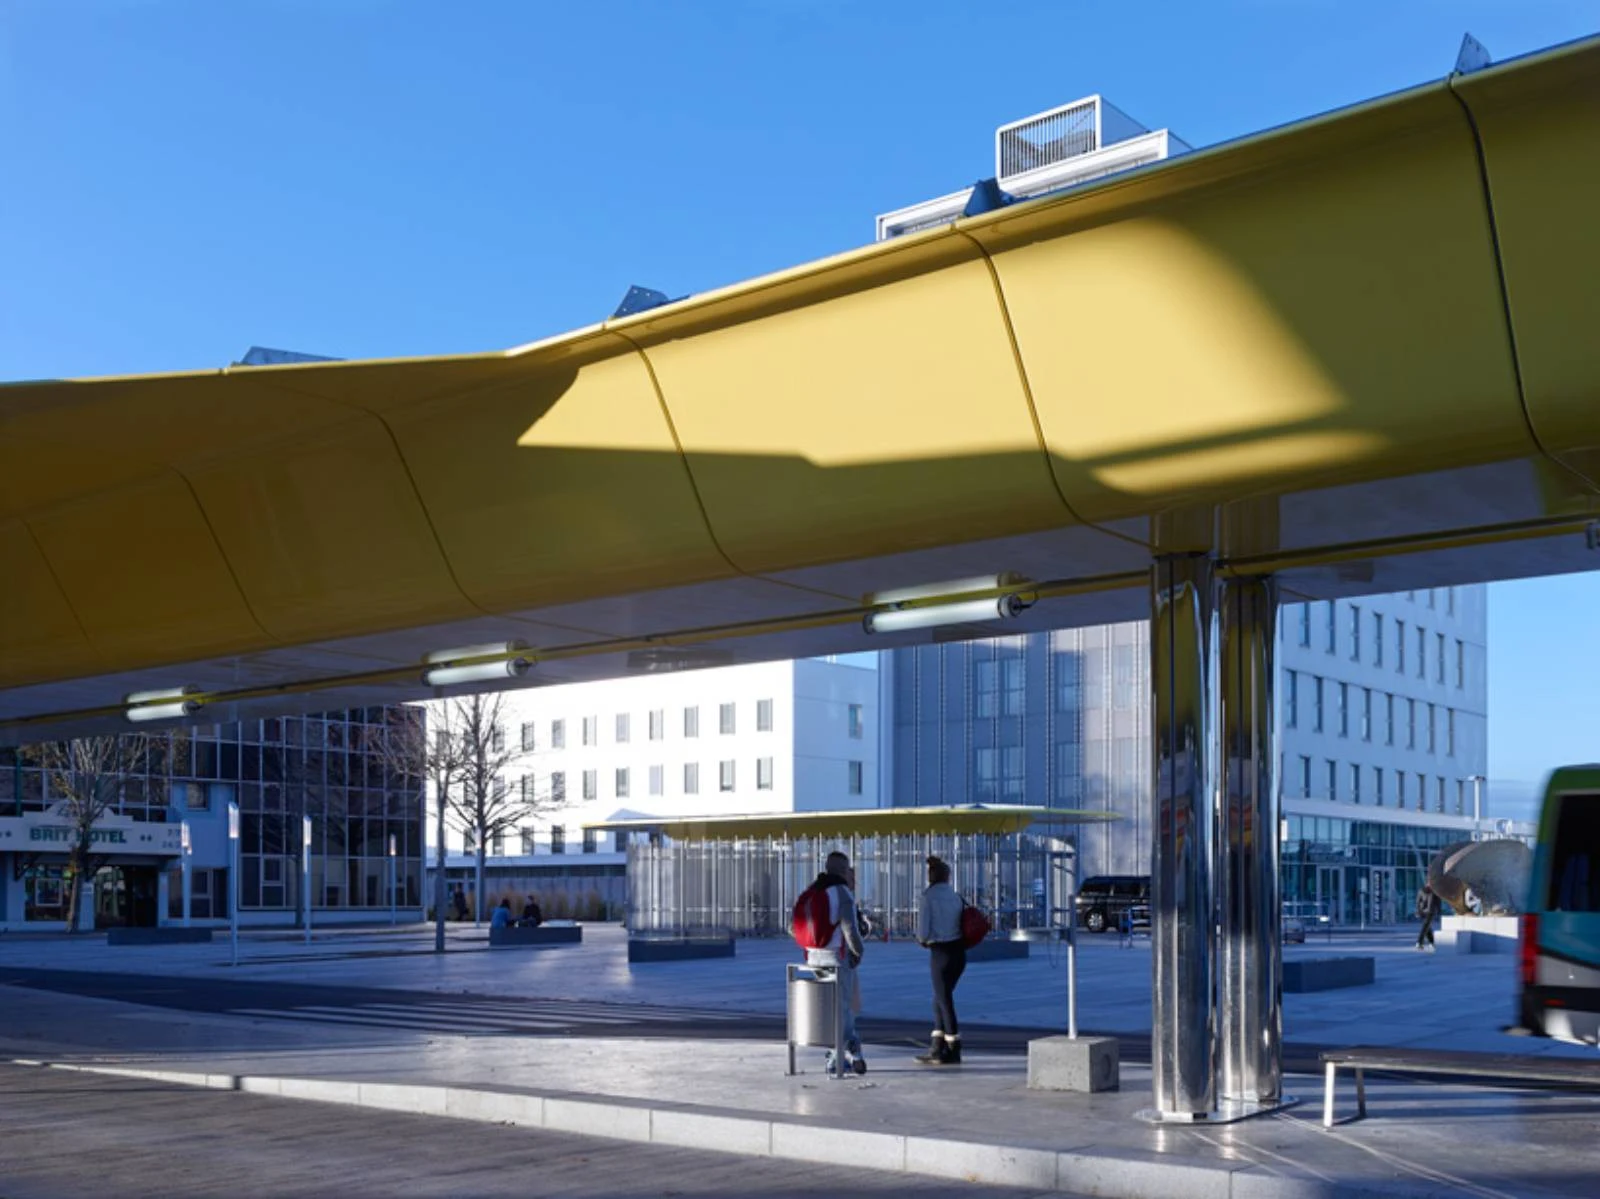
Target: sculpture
[1485, 878]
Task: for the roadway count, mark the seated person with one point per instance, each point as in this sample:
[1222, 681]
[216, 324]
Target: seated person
[502, 915]
[532, 917]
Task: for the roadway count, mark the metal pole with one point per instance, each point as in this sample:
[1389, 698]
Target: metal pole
[1182, 915]
[305, 872]
[233, 880]
[394, 916]
[438, 872]
[1072, 950]
[188, 875]
[1250, 1019]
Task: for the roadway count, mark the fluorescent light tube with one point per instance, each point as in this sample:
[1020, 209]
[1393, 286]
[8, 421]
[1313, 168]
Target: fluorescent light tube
[466, 652]
[929, 591]
[175, 710]
[897, 620]
[477, 672]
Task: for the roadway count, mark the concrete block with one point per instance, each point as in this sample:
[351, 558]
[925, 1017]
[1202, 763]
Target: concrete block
[403, 1097]
[664, 950]
[725, 1134]
[999, 1165]
[494, 1107]
[260, 1086]
[326, 1090]
[1074, 1064]
[1258, 1182]
[863, 1150]
[994, 949]
[1326, 974]
[1139, 1176]
[158, 936]
[545, 934]
[597, 1119]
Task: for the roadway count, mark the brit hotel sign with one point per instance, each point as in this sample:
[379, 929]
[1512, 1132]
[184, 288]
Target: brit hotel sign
[112, 834]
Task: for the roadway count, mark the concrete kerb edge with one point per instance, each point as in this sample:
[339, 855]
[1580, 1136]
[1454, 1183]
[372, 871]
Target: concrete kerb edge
[1113, 1174]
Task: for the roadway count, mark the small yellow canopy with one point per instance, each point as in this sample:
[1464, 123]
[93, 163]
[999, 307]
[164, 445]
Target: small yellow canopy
[856, 822]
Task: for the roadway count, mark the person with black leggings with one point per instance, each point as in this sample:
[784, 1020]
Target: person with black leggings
[939, 931]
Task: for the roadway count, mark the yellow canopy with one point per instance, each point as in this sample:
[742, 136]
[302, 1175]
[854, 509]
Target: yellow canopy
[856, 822]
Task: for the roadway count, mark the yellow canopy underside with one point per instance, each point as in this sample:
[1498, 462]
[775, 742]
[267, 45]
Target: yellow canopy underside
[868, 822]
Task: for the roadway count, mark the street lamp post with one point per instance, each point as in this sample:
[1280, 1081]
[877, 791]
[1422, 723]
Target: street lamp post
[188, 877]
[305, 871]
[1477, 781]
[393, 909]
[233, 880]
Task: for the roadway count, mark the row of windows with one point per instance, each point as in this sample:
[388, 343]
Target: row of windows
[656, 726]
[1397, 787]
[1367, 704]
[622, 781]
[1419, 639]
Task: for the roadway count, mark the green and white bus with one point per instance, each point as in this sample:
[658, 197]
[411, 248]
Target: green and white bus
[1559, 958]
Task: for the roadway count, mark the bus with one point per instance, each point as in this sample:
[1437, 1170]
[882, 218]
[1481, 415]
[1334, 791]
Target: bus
[1559, 952]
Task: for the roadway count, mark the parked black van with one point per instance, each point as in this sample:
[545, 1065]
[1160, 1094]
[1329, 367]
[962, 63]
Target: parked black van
[1103, 899]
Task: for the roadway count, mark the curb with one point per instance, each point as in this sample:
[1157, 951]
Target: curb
[1085, 1170]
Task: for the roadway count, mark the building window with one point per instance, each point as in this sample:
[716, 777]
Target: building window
[658, 724]
[855, 778]
[530, 740]
[1355, 782]
[658, 780]
[1422, 653]
[1377, 785]
[1450, 732]
[763, 774]
[1422, 792]
[1316, 704]
[1461, 786]
[1400, 647]
[725, 719]
[1450, 600]
[691, 722]
[591, 784]
[1122, 689]
[1305, 777]
[624, 728]
[1355, 633]
[691, 778]
[1411, 724]
[1433, 593]
[763, 715]
[558, 734]
[622, 782]
[1438, 660]
[725, 775]
[588, 840]
[1366, 714]
[856, 725]
[497, 844]
[1377, 638]
[1067, 683]
[558, 787]
[1291, 707]
[527, 843]
[1432, 744]
[1333, 778]
[591, 730]
[558, 838]
[1344, 709]
[1399, 788]
[1333, 627]
[1439, 802]
[527, 788]
[1461, 665]
[1305, 624]
[1388, 719]
[497, 739]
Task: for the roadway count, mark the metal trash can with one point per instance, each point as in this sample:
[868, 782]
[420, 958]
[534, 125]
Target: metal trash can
[814, 1015]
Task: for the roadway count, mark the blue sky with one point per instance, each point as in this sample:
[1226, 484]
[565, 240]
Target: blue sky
[362, 178]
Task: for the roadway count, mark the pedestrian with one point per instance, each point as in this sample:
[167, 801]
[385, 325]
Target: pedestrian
[459, 902]
[532, 916]
[840, 947]
[1427, 912]
[502, 916]
[939, 932]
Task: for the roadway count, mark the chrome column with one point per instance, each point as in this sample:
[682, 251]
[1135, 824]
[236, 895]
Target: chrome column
[1249, 1017]
[1182, 915]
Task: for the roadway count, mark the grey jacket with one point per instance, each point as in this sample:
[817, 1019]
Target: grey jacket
[939, 915]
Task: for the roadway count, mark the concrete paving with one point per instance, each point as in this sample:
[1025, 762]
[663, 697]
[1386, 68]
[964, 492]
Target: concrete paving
[978, 1121]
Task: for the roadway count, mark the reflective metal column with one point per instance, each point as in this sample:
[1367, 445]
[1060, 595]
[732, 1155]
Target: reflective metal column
[1181, 630]
[1249, 1017]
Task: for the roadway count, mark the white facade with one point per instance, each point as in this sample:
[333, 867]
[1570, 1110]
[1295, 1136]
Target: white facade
[768, 737]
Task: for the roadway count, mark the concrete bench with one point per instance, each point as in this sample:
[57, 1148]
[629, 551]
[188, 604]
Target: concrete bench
[1485, 1068]
[1326, 974]
[157, 936]
[546, 934]
[678, 949]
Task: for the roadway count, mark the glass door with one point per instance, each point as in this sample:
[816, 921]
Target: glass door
[1330, 893]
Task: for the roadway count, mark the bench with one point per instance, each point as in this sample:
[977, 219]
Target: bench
[545, 934]
[1326, 973]
[1476, 1067]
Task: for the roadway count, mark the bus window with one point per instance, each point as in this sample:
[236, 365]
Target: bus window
[1572, 856]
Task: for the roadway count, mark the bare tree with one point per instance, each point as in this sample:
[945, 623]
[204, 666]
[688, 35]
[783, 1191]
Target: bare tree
[88, 774]
[410, 749]
[485, 805]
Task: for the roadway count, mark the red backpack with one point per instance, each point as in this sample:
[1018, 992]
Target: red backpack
[974, 925]
[812, 925]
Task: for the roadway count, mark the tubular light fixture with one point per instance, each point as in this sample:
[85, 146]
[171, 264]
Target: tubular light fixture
[898, 620]
[171, 704]
[933, 591]
[448, 667]
[466, 653]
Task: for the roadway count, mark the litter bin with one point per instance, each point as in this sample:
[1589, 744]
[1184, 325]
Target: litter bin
[814, 1016]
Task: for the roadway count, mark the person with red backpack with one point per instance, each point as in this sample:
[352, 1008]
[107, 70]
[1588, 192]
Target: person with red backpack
[940, 932]
[827, 928]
